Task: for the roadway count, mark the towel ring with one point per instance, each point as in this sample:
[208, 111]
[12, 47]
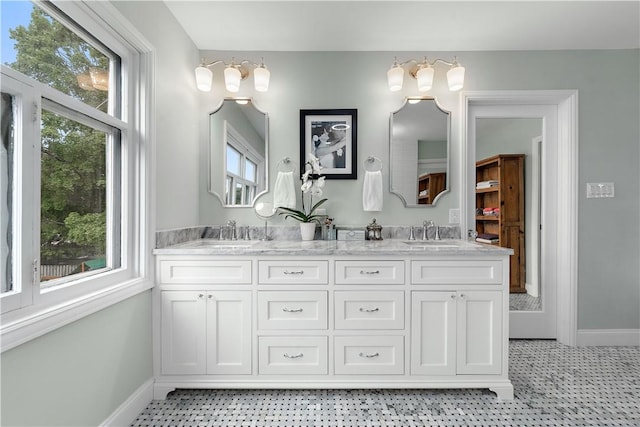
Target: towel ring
[286, 165]
[372, 164]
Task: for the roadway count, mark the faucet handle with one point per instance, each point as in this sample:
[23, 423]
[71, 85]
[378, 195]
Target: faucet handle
[411, 235]
[231, 223]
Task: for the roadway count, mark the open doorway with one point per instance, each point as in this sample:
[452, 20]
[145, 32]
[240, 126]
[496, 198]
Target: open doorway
[521, 138]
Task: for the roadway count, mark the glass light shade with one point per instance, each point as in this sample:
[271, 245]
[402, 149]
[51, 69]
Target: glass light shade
[232, 79]
[84, 81]
[394, 78]
[455, 77]
[261, 79]
[99, 79]
[425, 79]
[204, 77]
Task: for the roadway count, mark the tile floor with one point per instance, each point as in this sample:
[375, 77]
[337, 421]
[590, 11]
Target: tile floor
[524, 302]
[554, 385]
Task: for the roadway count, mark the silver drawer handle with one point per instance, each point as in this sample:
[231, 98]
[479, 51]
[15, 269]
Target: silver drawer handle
[292, 310]
[294, 272]
[369, 310]
[369, 272]
[292, 356]
[369, 355]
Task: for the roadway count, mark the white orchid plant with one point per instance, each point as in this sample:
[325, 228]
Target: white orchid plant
[312, 184]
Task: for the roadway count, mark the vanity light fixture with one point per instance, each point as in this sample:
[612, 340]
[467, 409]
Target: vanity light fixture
[423, 72]
[234, 72]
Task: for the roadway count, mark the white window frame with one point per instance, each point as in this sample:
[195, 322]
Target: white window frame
[239, 143]
[41, 309]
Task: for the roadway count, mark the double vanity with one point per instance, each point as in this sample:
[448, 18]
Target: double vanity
[331, 314]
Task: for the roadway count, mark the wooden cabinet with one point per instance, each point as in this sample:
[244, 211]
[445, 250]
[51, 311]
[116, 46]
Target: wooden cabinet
[504, 190]
[206, 332]
[429, 186]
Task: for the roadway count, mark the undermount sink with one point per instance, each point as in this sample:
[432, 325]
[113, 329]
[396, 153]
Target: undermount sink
[217, 244]
[424, 244]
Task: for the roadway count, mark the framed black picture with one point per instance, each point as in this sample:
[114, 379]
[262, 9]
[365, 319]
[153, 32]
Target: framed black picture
[331, 136]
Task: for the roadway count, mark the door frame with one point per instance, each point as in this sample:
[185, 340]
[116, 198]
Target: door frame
[566, 220]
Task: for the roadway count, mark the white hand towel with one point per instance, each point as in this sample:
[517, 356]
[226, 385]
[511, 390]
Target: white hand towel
[372, 191]
[284, 192]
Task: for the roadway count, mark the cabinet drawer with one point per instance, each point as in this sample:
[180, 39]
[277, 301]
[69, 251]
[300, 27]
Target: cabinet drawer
[369, 272]
[292, 355]
[293, 272]
[205, 271]
[292, 310]
[456, 272]
[369, 355]
[369, 310]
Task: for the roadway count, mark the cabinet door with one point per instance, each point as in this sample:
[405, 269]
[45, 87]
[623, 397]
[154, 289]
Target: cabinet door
[433, 333]
[183, 318]
[479, 321]
[229, 332]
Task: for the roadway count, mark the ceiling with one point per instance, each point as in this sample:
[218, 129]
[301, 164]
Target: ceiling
[408, 25]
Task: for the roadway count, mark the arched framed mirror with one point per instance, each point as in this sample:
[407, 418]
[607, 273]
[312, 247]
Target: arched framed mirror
[238, 152]
[419, 152]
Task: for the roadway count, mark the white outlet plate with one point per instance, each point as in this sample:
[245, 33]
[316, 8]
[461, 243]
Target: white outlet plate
[600, 190]
[454, 216]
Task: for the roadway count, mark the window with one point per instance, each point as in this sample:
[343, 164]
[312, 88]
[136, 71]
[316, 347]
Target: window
[72, 181]
[242, 166]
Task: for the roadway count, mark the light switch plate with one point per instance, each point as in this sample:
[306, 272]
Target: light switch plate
[599, 190]
[454, 216]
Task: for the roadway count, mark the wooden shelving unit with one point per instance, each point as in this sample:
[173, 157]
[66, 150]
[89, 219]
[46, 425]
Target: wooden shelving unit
[508, 195]
[434, 183]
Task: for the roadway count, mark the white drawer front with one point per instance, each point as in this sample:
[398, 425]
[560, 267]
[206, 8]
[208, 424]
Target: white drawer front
[205, 271]
[369, 310]
[292, 310]
[369, 355]
[293, 272]
[369, 272]
[456, 272]
[292, 355]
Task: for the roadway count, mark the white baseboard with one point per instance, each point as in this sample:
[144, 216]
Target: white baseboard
[532, 290]
[603, 337]
[131, 408]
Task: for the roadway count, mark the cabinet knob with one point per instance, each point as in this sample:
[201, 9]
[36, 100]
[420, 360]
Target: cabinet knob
[453, 297]
[462, 296]
[200, 296]
[210, 296]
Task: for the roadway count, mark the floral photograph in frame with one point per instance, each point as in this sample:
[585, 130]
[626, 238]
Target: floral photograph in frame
[331, 136]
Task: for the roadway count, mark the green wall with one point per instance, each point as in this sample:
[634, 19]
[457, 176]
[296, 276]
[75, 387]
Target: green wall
[79, 374]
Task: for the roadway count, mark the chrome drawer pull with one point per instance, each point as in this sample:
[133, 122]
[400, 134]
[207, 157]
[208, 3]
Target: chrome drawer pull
[292, 356]
[369, 310]
[292, 310]
[369, 272]
[294, 272]
[369, 355]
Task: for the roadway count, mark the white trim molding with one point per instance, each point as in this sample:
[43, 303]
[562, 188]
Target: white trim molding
[608, 337]
[127, 412]
[566, 266]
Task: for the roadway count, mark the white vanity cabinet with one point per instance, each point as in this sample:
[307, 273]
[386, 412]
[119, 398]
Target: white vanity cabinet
[456, 333]
[206, 332]
[371, 320]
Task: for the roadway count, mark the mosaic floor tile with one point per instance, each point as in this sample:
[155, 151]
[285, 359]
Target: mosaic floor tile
[555, 385]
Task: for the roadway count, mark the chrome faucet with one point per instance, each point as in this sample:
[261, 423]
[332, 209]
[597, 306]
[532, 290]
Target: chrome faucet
[425, 223]
[232, 230]
[411, 235]
[437, 231]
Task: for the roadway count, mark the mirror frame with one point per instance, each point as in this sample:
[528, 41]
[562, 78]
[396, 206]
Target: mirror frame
[266, 155]
[447, 180]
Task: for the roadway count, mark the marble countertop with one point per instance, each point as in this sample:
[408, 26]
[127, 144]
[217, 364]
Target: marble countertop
[392, 247]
